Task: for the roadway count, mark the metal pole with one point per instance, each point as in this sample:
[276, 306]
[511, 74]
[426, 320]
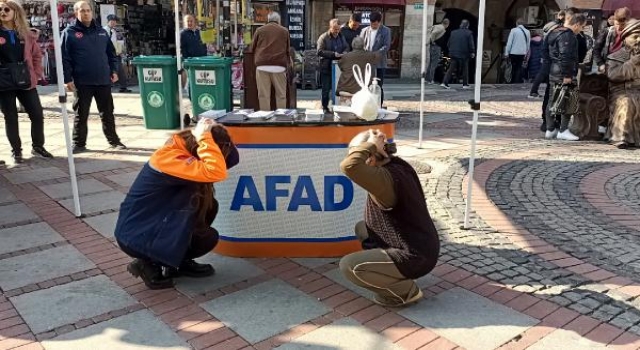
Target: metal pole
[218, 27]
[476, 110]
[62, 98]
[423, 68]
[176, 9]
[226, 31]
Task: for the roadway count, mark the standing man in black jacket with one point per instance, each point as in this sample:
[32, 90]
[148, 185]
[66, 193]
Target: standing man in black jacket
[461, 50]
[331, 46]
[564, 57]
[90, 67]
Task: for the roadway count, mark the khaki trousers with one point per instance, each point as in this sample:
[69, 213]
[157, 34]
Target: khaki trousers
[264, 81]
[374, 270]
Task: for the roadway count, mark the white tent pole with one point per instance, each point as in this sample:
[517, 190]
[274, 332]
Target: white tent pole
[176, 9]
[423, 70]
[476, 110]
[62, 97]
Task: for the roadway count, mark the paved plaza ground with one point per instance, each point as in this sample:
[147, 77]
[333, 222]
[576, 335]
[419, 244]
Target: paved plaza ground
[552, 260]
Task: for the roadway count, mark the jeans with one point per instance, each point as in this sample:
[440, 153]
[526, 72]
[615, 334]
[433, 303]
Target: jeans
[122, 74]
[31, 102]
[202, 242]
[542, 77]
[326, 81]
[516, 68]
[81, 106]
[435, 52]
[380, 75]
[456, 64]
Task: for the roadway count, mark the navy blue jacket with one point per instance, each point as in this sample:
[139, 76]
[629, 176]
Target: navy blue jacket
[88, 55]
[157, 216]
[461, 44]
[191, 44]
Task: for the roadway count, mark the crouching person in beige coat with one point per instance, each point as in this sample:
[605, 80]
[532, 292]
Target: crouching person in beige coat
[399, 238]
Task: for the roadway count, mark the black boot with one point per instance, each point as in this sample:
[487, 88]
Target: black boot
[150, 273]
[190, 268]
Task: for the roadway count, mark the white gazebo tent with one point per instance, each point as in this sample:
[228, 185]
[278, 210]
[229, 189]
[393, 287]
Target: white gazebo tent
[475, 103]
[62, 97]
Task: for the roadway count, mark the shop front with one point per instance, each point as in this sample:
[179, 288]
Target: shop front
[392, 17]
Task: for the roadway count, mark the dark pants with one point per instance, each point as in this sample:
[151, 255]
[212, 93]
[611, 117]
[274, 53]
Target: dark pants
[326, 81]
[81, 106]
[122, 74]
[380, 75]
[541, 77]
[555, 120]
[456, 64]
[202, 242]
[516, 68]
[31, 102]
[545, 100]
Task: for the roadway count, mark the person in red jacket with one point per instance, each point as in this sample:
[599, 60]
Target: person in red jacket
[18, 45]
[165, 219]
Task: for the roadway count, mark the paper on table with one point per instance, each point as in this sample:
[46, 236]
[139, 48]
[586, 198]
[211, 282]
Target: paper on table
[260, 114]
[214, 114]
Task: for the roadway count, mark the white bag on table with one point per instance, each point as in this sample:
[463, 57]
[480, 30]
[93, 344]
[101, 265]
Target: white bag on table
[364, 104]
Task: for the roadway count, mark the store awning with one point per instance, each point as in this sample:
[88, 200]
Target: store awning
[609, 6]
[370, 2]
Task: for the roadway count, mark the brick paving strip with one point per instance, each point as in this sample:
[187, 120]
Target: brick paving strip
[187, 317]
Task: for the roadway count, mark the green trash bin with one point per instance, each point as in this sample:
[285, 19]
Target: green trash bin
[158, 80]
[210, 83]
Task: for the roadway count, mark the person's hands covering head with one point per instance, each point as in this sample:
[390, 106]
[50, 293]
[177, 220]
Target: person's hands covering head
[379, 139]
[202, 128]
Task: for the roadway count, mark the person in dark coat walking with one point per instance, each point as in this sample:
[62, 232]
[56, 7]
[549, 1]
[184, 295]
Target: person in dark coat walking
[90, 67]
[461, 50]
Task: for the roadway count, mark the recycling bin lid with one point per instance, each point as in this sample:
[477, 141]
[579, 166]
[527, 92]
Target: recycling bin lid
[208, 61]
[163, 60]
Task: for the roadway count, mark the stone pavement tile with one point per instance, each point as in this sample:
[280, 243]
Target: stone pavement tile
[95, 203]
[105, 224]
[561, 339]
[336, 276]
[37, 267]
[343, 334]
[136, 331]
[98, 165]
[228, 271]
[124, 180]
[47, 309]
[312, 263]
[471, 321]
[15, 213]
[32, 175]
[264, 310]
[27, 236]
[63, 190]
[6, 196]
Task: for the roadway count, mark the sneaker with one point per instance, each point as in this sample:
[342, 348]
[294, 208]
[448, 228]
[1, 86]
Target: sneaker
[118, 145]
[567, 136]
[150, 273]
[17, 157]
[466, 87]
[445, 86]
[190, 268]
[551, 134]
[387, 302]
[41, 152]
[602, 129]
[79, 149]
[125, 90]
[2, 163]
[533, 96]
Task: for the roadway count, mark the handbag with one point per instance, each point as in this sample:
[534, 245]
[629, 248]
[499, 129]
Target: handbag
[14, 76]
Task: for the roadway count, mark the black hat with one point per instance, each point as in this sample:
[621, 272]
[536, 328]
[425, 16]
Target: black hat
[112, 18]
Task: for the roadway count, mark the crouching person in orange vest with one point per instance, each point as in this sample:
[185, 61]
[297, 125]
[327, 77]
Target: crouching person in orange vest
[165, 219]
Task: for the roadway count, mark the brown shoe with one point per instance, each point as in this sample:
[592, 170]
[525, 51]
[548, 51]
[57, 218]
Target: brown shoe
[397, 302]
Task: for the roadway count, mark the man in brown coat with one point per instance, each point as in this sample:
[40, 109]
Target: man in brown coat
[271, 56]
[360, 57]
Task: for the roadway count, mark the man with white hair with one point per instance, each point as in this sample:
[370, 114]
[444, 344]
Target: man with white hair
[271, 56]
